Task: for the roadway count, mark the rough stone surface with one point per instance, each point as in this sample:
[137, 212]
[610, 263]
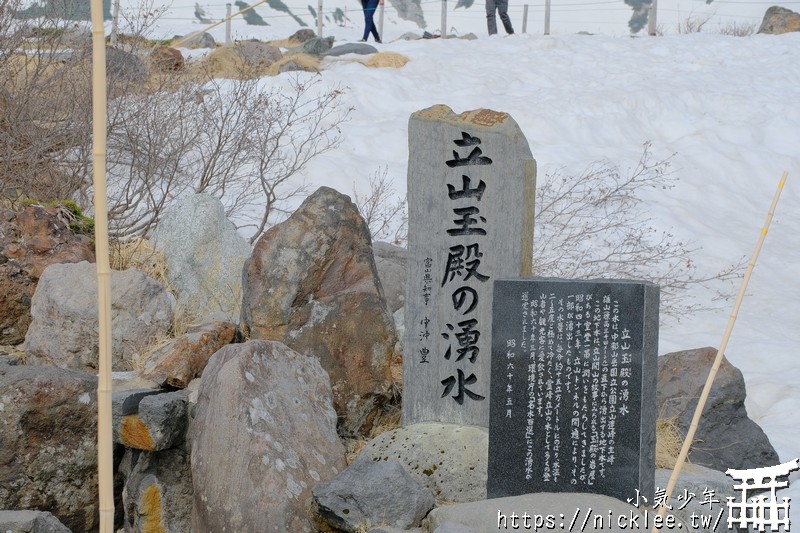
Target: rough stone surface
[352, 48]
[263, 435]
[30, 240]
[316, 46]
[311, 283]
[293, 66]
[726, 437]
[483, 516]
[372, 493]
[167, 58]
[779, 20]
[30, 522]
[48, 451]
[449, 460]
[124, 67]
[160, 422]
[184, 358]
[157, 495]
[126, 403]
[63, 331]
[453, 527]
[695, 480]
[204, 255]
[390, 260]
[302, 35]
[204, 40]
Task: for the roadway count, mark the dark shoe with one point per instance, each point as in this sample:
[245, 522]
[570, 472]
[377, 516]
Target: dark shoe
[362, 40]
[378, 41]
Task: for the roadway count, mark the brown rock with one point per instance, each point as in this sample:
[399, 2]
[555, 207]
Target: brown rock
[311, 283]
[184, 359]
[779, 20]
[167, 58]
[30, 240]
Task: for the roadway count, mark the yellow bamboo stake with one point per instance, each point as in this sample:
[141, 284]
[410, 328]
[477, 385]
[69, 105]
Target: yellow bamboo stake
[105, 460]
[687, 442]
[182, 40]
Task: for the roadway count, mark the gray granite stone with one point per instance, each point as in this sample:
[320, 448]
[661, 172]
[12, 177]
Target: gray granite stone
[471, 181]
[565, 512]
[30, 522]
[573, 396]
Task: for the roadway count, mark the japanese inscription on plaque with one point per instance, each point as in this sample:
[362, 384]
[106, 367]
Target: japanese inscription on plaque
[574, 369]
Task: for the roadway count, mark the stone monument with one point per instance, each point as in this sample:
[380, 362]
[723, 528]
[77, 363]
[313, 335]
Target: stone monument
[471, 185]
[573, 387]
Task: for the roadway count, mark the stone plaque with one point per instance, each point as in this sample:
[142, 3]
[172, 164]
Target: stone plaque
[573, 394]
[471, 184]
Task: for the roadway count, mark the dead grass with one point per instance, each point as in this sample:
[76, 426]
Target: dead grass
[668, 442]
[138, 253]
[385, 60]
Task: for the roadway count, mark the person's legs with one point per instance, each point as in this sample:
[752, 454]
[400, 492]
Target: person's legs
[502, 9]
[369, 7]
[491, 22]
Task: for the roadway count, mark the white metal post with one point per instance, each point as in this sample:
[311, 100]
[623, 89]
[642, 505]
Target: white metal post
[380, 22]
[115, 23]
[525, 18]
[652, 15]
[547, 17]
[444, 19]
[228, 24]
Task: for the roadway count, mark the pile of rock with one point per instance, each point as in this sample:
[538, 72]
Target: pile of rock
[211, 432]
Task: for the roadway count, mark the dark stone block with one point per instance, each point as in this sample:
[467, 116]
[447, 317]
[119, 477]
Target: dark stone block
[573, 387]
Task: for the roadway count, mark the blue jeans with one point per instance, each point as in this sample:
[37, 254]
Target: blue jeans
[369, 7]
[501, 6]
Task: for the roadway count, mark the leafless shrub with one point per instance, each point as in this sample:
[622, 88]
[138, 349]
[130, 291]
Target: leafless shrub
[235, 140]
[738, 29]
[595, 225]
[693, 24]
[385, 214]
[44, 109]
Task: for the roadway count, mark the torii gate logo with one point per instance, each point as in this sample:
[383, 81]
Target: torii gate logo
[761, 511]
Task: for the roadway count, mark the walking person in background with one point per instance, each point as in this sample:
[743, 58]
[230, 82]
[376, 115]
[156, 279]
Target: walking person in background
[369, 7]
[501, 6]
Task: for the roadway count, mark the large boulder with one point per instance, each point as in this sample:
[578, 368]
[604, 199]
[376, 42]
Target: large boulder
[183, 359]
[30, 522]
[263, 435]
[372, 493]
[726, 437]
[701, 492]
[311, 283]
[48, 443]
[449, 460]
[390, 260]
[157, 495]
[30, 240]
[204, 255]
[546, 511]
[63, 331]
[779, 20]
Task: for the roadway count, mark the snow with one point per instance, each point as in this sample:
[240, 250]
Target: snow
[727, 107]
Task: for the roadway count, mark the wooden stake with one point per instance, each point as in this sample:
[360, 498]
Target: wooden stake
[687, 443]
[105, 459]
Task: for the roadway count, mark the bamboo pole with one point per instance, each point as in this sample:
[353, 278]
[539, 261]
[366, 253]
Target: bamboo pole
[105, 460]
[687, 442]
[182, 40]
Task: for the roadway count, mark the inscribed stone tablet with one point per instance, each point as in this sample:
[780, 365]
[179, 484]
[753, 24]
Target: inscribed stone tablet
[471, 182]
[573, 396]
